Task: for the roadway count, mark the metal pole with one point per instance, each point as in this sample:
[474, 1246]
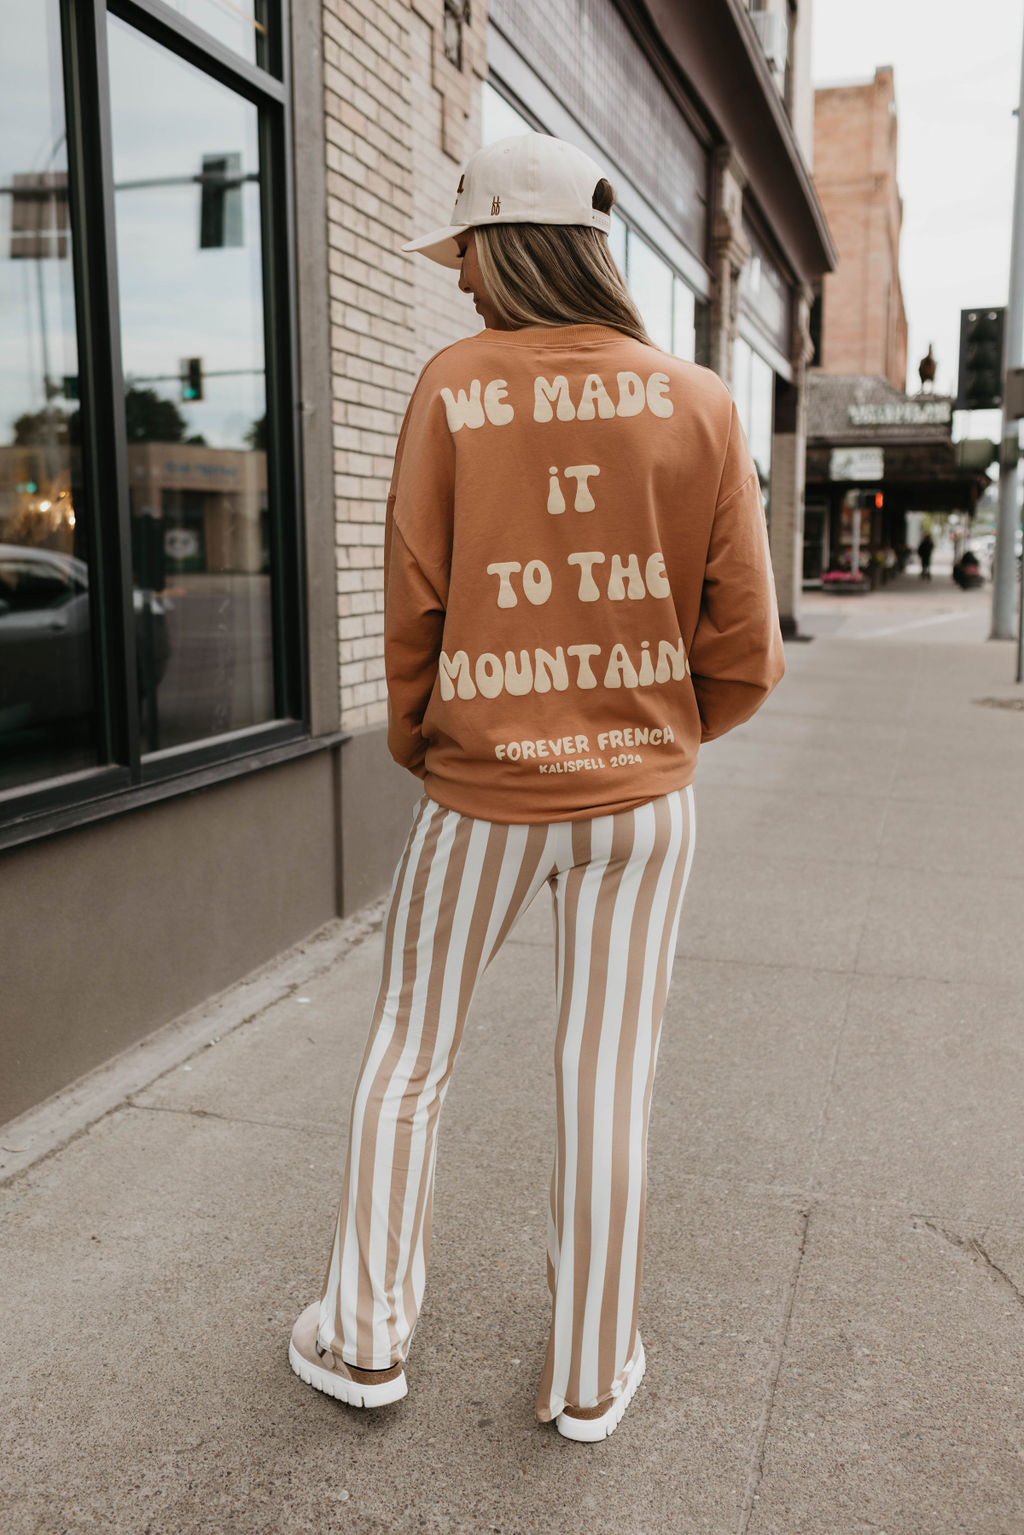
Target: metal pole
[1008, 521]
[1020, 625]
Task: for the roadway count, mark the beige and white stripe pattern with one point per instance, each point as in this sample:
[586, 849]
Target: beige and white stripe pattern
[617, 883]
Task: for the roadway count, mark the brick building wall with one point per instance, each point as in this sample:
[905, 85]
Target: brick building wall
[400, 118]
[446, 111]
[864, 326]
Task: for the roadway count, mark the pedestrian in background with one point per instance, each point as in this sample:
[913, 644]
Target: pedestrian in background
[577, 593]
[925, 549]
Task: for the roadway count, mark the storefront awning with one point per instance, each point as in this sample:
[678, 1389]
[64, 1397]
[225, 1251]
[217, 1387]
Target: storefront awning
[864, 434]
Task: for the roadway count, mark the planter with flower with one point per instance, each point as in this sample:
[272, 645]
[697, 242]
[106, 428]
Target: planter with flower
[845, 583]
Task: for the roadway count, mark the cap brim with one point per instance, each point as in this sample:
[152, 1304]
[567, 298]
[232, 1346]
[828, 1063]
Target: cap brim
[441, 245]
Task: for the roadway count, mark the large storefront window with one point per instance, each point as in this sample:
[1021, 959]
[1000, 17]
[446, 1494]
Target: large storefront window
[766, 309]
[187, 207]
[753, 389]
[650, 283]
[47, 706]
[149, 510]
[764, 291]
[668, 306]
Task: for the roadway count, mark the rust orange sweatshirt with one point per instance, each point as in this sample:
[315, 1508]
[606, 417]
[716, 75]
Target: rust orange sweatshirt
[577, 582]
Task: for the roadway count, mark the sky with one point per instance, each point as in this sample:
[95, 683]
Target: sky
[956, 66]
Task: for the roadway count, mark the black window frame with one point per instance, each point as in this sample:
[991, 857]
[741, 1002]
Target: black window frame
[123, 780]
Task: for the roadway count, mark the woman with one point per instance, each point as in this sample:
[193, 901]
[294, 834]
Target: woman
[578, 592]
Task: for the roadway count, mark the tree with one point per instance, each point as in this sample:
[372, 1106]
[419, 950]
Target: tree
[37, 427]
[149, 418]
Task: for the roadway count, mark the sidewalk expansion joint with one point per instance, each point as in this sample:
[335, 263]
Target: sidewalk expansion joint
[229, 1119]
[756, 1473]
[782, 966]
[975, 1251]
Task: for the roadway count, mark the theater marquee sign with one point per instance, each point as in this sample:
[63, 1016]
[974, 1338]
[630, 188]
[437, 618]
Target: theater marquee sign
[901, 413]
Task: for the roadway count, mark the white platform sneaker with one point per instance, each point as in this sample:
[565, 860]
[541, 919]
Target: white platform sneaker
[325, 1372]
[589, 1424]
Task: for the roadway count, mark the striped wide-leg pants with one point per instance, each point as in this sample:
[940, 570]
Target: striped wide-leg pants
[617, 885]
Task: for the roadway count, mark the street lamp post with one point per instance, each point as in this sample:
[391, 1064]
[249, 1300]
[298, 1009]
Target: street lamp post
[1008, 521]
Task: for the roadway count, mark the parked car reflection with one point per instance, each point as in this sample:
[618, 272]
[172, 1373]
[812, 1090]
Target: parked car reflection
[45, 646]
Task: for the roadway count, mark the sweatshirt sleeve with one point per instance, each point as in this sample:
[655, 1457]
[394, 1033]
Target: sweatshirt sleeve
[736, 656]
[417, 550]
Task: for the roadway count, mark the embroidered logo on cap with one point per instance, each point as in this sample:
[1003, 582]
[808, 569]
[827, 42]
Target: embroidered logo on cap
[495, 205]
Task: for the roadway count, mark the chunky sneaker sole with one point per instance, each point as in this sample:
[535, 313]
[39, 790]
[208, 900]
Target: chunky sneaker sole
[331, 1375]
[591, 1430]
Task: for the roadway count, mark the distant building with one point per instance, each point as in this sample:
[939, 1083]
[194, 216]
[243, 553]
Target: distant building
[874, 457]
[862, 326]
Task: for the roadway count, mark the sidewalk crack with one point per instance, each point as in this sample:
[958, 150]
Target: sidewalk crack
[756, 1473]
[974, 1250]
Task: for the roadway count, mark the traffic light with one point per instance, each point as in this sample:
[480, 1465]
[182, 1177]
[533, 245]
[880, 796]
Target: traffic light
[191, 378]
[220, 202]
[879, 500]
[981, 359]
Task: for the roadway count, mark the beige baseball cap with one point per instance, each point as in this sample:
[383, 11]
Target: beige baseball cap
[529, 178]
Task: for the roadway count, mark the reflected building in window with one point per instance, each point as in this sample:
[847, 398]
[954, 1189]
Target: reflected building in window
[191, 282]
[48, 723]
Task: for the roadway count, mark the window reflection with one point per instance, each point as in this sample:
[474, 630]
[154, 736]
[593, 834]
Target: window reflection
[617, 241]
[669, 307]
[499, 118]
[241, 24]
[762, 408]
[764, 290]
[684, 321]
[650, 283]
[47, 722]
[187, 205]
[753, 389]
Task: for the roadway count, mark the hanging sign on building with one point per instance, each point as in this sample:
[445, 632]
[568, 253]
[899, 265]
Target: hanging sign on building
[900, 413]
[856, 464]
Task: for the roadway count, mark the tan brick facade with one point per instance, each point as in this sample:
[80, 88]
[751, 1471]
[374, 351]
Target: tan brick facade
[864, 326]
[400, 119]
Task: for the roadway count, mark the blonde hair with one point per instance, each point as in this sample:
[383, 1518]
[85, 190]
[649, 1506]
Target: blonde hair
[556, 274]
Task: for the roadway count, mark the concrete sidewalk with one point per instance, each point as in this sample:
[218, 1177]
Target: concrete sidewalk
[834, 1300]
